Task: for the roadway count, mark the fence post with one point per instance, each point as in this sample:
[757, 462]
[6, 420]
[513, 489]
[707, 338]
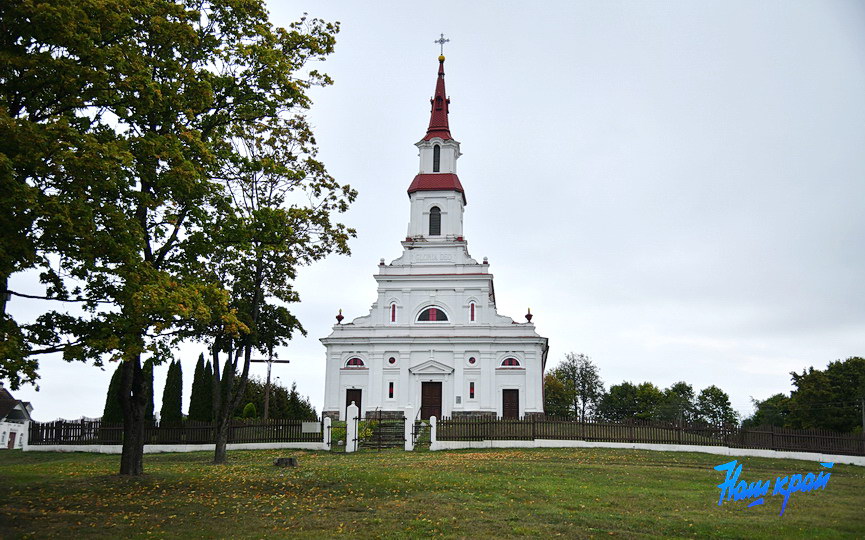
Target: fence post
[772, 437]
[533, 427]
[326, 433]
[408, 429]
[433, 422]
[351, 419]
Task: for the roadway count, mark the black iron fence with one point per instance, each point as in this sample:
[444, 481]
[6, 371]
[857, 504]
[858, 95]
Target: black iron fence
[188, 432]
[768, 437]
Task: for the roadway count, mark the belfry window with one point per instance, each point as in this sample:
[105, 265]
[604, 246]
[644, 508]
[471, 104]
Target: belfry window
[435, 221]
[432, 314]
[437, 157]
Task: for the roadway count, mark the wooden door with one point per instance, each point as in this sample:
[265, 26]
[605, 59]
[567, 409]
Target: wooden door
[510, 403]
[430, 400]
[12, 440]
[353, 394]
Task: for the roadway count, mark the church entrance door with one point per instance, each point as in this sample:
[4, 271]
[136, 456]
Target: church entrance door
[430, 400]
[353, 394]
[510, 404]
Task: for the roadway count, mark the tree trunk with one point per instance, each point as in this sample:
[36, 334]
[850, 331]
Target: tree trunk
[133, 393]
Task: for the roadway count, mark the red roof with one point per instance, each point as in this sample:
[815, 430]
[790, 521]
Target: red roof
[437, 182]
[438, 122]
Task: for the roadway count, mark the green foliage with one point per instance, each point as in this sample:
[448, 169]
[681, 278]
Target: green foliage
[147, 372]
[557, 399]
[678, 404]
[113, 413]
[582, 382]
[200, 404]
[649, 399]
[249, 411]
[172, 395]
[830, 398]
[773, 411]
[285, 404]
[620, 403]
[713, 407]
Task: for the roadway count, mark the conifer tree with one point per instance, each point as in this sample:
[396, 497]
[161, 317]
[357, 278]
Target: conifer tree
[199, 400]
[147, 375]
[208, 390]
[113, 413]
[172, 395]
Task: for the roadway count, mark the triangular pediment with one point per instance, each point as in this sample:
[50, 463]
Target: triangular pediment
[431, 367]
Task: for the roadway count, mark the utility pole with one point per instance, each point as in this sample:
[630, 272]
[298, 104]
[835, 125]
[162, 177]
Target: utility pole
[270, 360]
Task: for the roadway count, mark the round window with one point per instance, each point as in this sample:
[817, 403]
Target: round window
[472, 360]
[391, 360]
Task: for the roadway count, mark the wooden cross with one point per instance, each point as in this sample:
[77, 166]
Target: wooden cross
[441, 41]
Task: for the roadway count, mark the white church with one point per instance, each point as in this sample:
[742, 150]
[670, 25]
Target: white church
[433, 343]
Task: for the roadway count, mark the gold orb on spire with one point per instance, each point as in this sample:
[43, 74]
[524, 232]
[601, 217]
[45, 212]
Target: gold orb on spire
[441, 58]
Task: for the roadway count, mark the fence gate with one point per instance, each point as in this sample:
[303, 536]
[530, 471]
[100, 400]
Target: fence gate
[380, 430]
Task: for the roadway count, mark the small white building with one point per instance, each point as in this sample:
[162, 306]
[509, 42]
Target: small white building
[433, 343]
[14, 420]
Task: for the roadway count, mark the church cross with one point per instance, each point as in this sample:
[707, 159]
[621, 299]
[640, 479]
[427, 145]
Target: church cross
[441, 41]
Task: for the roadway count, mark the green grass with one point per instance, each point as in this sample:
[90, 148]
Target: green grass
[395, 494]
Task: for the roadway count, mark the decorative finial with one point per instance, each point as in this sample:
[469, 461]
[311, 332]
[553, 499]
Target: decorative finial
[441, 41]
[381, 262]
[529, 315]
[486, 260]
[339, 317]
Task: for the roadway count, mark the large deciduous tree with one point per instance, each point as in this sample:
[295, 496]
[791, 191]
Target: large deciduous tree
[713, 407]
[582, 381]
[831, 398]
[120, 172]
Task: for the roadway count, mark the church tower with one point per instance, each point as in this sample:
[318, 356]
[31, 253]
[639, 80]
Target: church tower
[433, 343]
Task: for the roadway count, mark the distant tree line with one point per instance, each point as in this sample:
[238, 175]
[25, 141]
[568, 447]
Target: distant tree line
[832, 398]
[285, 404]
[574, 389]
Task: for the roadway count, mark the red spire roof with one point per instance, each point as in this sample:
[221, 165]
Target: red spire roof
[438, 122]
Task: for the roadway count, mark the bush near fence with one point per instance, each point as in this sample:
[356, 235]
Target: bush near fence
[187, 432]
[767, 437]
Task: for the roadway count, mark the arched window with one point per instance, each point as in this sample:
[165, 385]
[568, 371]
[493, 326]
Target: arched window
[435, 221]
[354, 363]
[472, 312]
[432, 314]
[393, 313]
[510, 362]
[437, 157]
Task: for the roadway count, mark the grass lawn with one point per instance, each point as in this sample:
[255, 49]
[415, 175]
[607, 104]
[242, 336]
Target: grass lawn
[394, 494]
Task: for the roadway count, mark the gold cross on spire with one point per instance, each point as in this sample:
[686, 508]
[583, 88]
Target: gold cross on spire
[441, 41]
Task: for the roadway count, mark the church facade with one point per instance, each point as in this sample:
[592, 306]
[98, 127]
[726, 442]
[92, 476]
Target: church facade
[433, 343]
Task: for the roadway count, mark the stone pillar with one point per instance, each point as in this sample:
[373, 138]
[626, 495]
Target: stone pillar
[327, 434]
[351, 412]
[409, 428]
[432, 430]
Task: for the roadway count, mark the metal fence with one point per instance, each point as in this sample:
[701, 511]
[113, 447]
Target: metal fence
[767, 437]
[187, 432]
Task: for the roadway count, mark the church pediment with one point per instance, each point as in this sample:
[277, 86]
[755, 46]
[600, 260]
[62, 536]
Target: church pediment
[431, 367]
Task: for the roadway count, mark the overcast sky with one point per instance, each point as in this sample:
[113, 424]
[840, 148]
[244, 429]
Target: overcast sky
[675, 188]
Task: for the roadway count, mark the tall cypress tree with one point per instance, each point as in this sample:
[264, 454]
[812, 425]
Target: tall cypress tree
[113, 413]
[199, 403]
[208, 390]
[172, 395]
[147, 371]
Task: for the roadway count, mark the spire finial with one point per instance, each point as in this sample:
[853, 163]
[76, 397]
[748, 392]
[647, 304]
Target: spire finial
[438, 123]
[441, 41]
